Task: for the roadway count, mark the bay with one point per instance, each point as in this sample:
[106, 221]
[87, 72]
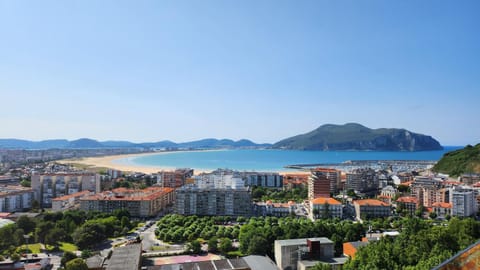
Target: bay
[268, 159]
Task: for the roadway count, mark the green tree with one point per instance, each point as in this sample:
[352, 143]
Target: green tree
[26, 223]
[42, 229]
[194, 247]
[322, 266]
[54, 236]
[213, 245]
[89, 234]
[257, 245]
[67, 256]
[225, 245]
[76, 264]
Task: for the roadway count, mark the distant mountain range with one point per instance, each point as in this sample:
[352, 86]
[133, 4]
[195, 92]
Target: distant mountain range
[328, 137]
[86, 143]
[353, 136]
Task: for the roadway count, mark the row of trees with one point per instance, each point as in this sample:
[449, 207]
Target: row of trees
[177, 228]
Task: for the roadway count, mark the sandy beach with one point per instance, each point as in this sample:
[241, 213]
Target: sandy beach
[111, 162]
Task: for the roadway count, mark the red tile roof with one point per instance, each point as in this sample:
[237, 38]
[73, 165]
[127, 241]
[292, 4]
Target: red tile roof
[442, 205]
[324, 200]
[370, 202]
[407, 200]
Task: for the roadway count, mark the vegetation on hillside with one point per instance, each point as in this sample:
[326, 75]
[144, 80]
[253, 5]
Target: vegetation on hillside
[421, 245]
[354, 136]
[455, 163]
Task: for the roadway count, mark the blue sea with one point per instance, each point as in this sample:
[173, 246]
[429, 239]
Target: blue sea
[268, 160]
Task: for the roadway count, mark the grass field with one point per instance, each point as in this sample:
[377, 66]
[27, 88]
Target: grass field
[68, 246]
[34, 248]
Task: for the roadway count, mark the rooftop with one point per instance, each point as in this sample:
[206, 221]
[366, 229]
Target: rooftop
[303, 241]
[125, 258]
[370, 202]
[324, 200]
[407, 200]
[442, 205]
[73, 195]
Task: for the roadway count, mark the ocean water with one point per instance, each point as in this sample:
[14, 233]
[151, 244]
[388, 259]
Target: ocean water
[268, 160]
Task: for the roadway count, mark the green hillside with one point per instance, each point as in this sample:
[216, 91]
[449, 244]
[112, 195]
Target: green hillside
[466, 160]
[353, 136]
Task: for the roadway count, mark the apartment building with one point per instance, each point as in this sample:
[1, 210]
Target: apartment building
[322, 182]
[53, 185]
[213, 201]
[362, 180]
[370, 208]
[140, 203]
[68, 202]
[295, 180]
[174, 179]
[464, 202]
[427, 190]
[407, 203]
[15, 198]
[270, 208]
[322, 207]
[442, 209]
[263, 179]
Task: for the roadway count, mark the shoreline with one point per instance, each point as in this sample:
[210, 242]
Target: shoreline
[111, 162]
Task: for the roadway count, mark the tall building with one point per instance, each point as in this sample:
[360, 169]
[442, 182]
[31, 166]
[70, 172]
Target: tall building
[362, 180]
[15, 198]
[174, 179]
[322, 182]
[464, 203]
[427, 190]
[140, 203]
[205, 201]
[263, 179]
[53, 185]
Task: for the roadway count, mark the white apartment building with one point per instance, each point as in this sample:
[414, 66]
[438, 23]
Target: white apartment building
[15, 198]
[464, 203]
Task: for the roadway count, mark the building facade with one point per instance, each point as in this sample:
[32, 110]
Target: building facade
[289, 252]
[321, 208]
[174, 179]
[362, 180]
[322, 182]
[49, 186]
[68, 202]
[370, 208]
[464, 202]
[227, 201]
[15, 198]
[426, 190]
[140, 203]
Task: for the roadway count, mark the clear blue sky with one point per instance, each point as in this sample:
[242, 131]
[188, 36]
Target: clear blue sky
[262, 70]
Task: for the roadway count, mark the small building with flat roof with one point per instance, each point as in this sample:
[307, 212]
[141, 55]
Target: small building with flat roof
[125, 258]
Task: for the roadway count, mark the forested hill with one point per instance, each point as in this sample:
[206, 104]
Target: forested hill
[455, 163]
[354, 136]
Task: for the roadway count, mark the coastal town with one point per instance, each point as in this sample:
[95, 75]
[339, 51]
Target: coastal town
[370, 196]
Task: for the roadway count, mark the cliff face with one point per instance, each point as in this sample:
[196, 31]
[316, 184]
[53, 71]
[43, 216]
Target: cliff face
[357, 137]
